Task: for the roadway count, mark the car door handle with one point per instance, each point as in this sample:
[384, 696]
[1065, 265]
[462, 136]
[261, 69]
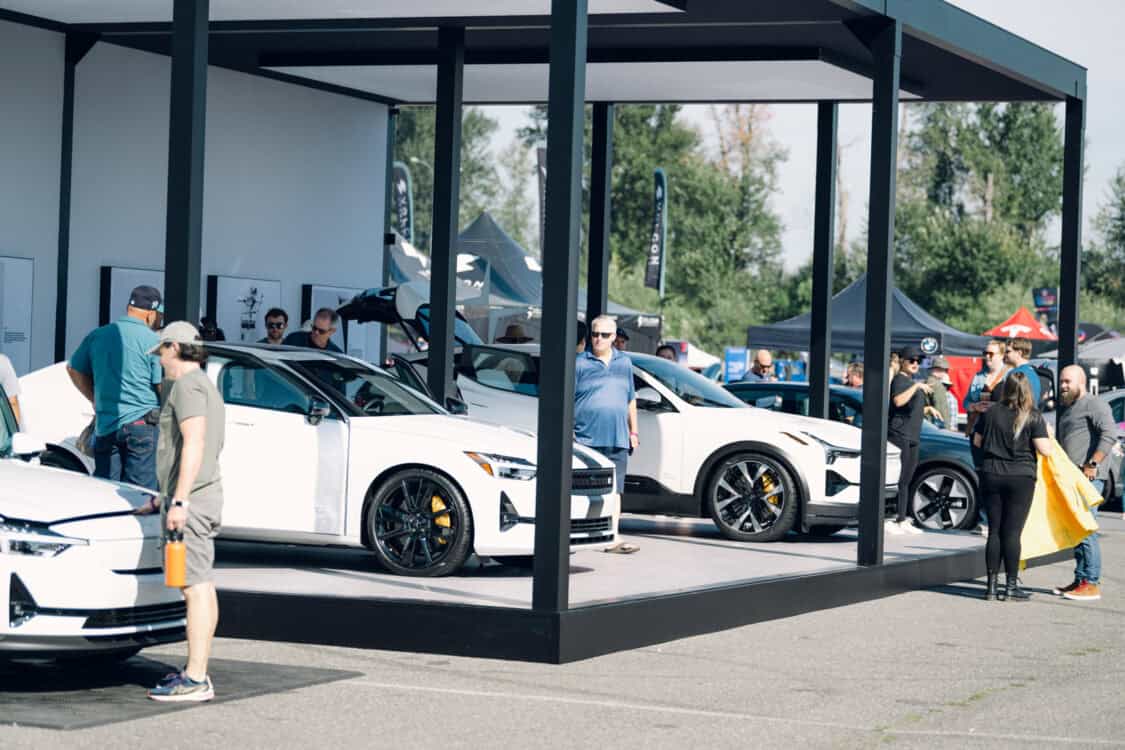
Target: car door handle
[242, 424]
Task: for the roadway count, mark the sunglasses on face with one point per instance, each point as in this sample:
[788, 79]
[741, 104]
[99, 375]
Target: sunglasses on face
[322, 331]
[912, 361]
[273, 326]
[991, 354]
[603, 334]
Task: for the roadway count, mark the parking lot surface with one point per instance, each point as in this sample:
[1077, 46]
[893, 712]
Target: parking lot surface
[936, 668]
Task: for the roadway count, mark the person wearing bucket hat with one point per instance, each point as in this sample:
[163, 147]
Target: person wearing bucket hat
[514, 334]
[114, 370]
[904, 430]
[192, 424]
[937, 401]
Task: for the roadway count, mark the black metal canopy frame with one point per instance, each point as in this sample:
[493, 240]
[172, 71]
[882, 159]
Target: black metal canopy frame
[834, 50]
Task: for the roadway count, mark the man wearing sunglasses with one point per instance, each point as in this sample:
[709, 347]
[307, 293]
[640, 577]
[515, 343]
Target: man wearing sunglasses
[605, 404]
[320, 335]
[277, 321]
[904, 430]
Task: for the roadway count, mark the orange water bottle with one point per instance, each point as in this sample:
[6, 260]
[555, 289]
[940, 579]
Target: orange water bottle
[175, 560]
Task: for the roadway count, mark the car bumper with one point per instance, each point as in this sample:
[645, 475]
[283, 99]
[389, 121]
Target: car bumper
[841, 508]
[109, 595]
[593, 521]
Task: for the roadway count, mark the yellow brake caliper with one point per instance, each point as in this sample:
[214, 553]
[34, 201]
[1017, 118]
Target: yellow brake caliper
[437, 505]
[767, 487]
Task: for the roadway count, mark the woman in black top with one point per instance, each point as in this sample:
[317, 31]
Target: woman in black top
[1009, 436]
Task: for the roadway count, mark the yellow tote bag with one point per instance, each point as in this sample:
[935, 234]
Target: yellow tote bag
[1061, 514]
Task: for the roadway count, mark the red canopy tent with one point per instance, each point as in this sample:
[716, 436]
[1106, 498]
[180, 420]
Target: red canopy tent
[1022, 324]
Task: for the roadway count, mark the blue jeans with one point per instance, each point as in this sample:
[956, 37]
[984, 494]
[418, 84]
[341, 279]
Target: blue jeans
[128, 454]
[1088, 553]
[620, 459]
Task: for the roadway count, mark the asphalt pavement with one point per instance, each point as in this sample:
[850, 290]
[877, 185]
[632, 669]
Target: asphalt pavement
[937, 668]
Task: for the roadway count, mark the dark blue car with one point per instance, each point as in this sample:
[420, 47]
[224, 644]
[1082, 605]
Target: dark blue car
[943, 493]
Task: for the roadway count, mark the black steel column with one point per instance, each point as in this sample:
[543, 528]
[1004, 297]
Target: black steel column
[886, 46]
[1070, 253]
[388, 200]
[601, 183]
[565, 123]
[77, 45]
[447, 197]
[183, 251]
[823, 264]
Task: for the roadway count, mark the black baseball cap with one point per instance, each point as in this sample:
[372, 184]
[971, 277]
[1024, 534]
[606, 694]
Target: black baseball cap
[146, 297]
[622, 333]
[910, 352]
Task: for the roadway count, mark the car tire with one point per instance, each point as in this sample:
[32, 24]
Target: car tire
[418, 524]
[951, 490]
[824, 530]
[761, 478]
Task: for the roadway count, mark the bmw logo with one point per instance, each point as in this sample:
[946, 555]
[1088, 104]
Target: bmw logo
[929, 346]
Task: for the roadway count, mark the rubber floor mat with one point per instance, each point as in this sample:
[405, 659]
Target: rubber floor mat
[81, 694]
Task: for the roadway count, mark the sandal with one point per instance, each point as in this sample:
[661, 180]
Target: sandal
[622, 548]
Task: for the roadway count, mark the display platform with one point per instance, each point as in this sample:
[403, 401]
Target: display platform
[685, 580]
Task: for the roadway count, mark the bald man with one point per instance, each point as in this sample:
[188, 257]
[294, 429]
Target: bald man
[1087, 432]
[762, 369]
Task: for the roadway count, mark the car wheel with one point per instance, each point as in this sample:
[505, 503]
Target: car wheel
[942, 497]
[752, 498]
[826, 529]
[419, 524]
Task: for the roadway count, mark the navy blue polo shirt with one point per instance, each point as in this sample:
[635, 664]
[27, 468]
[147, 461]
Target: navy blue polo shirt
[602, 394]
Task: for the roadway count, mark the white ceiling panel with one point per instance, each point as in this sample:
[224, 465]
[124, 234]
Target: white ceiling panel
[132, 11]
[809, 80]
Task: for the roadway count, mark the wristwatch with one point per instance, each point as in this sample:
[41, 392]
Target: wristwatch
[180, 503]
[1092, 464]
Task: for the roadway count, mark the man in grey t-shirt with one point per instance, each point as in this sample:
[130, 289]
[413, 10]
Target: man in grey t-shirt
[1087, 433]
[192, 423]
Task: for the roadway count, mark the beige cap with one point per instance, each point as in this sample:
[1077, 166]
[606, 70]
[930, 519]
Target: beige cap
[180, 332]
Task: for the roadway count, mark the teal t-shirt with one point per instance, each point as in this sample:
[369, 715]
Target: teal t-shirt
[116, 357]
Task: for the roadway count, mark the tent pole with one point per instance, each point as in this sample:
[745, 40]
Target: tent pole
[601, 175]
[886, 48]
[1070, 255]
[823, 262]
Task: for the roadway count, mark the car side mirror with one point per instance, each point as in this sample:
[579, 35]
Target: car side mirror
[318, 410]
[773, 403]
[649, 399]
[24, 445]
[456, 406]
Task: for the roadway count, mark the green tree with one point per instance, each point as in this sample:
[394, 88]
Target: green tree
[515, 211]
[1103, 272]
[414, 145]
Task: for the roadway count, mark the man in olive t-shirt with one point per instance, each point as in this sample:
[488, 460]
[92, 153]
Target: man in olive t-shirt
[187, 468]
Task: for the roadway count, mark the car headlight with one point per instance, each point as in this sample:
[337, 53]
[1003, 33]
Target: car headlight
[832, 452]
[504, 467]
[33, 540]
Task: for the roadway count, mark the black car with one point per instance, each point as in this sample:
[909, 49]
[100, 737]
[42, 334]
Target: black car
[943, 493]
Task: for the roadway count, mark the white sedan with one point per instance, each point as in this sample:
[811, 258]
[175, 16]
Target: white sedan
[325, 449]
[756, 473]
[80, 574]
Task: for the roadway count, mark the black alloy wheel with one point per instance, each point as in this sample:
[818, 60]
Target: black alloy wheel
[752, 498]
[943, 498]
[419, 524]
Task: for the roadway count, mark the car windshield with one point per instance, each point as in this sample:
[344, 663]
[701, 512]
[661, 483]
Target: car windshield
[369, 391]
[462, 331]
[687, 384]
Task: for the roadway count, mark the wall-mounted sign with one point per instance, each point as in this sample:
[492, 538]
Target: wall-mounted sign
[116, 284]
[239, 304]
[17, 276]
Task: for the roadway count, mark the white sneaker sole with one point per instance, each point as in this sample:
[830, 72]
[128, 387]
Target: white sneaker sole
[189, 698]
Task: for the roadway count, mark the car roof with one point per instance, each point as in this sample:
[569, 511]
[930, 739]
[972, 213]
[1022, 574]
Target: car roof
[791, 386]
[269, 353]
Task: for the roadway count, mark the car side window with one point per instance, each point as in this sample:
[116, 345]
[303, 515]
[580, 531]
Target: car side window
[1118, 408]
[253, 384]
[844, 410]
[515, 372]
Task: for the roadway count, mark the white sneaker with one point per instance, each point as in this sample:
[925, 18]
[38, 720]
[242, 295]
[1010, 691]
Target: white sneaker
[908, 527]
[891, 527]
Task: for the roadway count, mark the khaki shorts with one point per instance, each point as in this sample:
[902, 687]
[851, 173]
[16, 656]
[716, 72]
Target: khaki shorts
[205, 514]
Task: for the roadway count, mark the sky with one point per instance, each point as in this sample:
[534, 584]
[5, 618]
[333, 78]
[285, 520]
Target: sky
[1084, 31]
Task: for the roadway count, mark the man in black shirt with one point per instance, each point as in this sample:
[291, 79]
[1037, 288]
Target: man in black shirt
[904, 430]
[320, 337]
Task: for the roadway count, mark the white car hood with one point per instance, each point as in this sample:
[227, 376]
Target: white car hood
[54, 496]
[465, 435]
[838, 434]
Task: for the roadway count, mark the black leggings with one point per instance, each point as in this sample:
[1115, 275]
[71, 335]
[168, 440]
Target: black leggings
[1008, 500]
[909, 464]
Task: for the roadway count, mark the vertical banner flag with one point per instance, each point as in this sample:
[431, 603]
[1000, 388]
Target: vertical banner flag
[654, 270]
[541, 158]
[403, 196]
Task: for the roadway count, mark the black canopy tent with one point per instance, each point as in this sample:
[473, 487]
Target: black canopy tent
[910, 326]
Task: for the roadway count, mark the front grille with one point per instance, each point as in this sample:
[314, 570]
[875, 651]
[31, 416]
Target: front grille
[591, 525]
[592, 481]
[130, 616]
